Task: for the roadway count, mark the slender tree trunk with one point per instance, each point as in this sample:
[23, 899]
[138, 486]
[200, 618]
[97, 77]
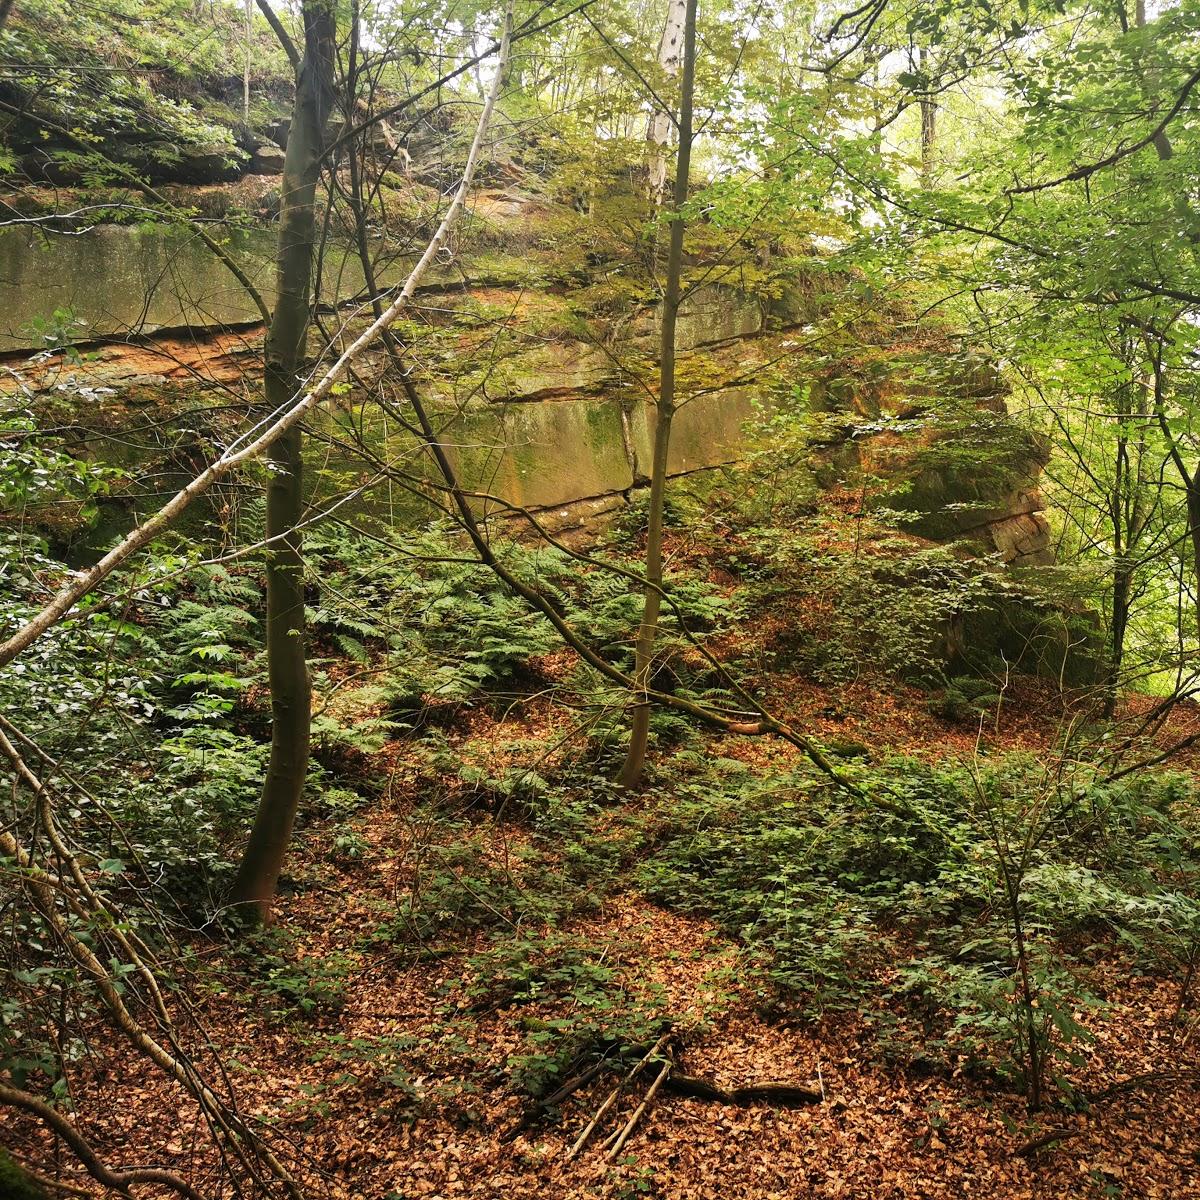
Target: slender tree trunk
[287, 668]
[246, 64]
[631, 771]
[1190, 478]
[1122, 596]
[1122, 586]
[928, 138]
[928, 110]
[1193, 512]
[1162, 143]
[1130, 510]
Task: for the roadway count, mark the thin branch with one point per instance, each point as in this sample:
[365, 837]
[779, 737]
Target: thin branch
[117, 1180]
[521, 32]
[285, 40]
[1121, 152]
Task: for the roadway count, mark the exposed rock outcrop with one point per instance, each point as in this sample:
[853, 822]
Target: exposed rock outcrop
[1021, 536]
[558, 417]
[267, 159]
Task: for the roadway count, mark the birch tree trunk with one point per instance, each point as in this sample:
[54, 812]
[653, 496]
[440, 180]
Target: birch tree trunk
[658, 128]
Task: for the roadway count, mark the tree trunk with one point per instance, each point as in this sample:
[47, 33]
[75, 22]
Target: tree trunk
[631, 771]
[1122, 596]
[928, 138]
[658, 129]
[246, 63]
[1193, 512]
[287, 668]
[1130, 510]
[1162, 143]
[928, 110]
[1149, 79]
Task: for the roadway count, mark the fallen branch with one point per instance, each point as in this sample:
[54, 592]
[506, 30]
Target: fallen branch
[47, 1183]
[1169, 1076]
[638, 1112]
[568, 1089]
[784, 1094]
[697, 1089]
[117, 1180]
[1030, 1148]
[669, 1079]
[615, 1095]
[1183, 1075]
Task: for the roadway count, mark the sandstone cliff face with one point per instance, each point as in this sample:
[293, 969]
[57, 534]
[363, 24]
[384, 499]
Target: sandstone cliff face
[541, 376]
[1022, 535]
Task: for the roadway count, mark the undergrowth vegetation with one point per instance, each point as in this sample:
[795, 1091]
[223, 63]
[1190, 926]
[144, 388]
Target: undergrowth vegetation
[631, 559]
[961, 911]
[958, 913]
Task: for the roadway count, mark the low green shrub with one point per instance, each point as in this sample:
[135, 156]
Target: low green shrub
[964, 699]
[465, 883]
[312, 986]
[971, 879]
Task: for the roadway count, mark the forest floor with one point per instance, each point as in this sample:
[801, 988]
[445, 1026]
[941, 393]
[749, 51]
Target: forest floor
[445, 945]
[399, 1081]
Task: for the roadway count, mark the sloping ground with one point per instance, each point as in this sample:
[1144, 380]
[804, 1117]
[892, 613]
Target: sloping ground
[400, 1080]
[877, 1133]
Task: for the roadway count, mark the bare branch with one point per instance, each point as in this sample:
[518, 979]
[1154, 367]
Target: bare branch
[285, 40]
[1121, 152]
[118, 1180]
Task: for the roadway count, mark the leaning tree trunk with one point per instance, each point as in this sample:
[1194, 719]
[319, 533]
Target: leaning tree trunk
[287, 668]
[631, 771]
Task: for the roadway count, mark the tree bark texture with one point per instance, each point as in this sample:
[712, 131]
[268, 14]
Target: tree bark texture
[631, 771]
[287, 667]
[658, 129]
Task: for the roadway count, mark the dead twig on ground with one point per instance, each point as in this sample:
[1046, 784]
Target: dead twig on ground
[615, 1095]
[1031, 1147]
[786, 1094]
[640, 1111]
